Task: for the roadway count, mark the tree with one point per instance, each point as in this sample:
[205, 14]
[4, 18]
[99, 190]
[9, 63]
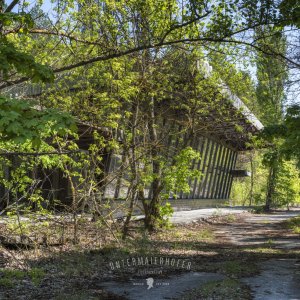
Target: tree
[290, 11]
[291, 133]
[83, 33]
[121, 73]
[271, 75]
[287, 190]
[27, 130]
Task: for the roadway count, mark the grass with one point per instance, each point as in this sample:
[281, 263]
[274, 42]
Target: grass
[6, 282]
[205, 234]
[217, 212]
[12, 274]
[270, 243]
[264, 250]
[238, 268]
[8, 276]
[294, 224]
[36, 275]
[220, 289]
[230, 218]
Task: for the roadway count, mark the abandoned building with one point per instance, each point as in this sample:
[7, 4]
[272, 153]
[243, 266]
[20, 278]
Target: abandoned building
[219, 146]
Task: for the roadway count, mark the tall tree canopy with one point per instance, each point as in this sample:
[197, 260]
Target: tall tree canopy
[77, 33]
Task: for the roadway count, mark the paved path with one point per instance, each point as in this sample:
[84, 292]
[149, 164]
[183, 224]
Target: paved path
[180, 217]
[279, 278]
[261, 230]
[168, 288]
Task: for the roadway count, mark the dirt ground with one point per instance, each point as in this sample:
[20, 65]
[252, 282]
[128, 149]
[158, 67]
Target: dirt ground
[232, 249]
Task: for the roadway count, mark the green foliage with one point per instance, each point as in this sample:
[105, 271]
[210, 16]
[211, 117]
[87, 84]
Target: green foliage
[25, 128]
[128, 95]
[107, 29]
[21, 123]
[241, 189]
[165, 212]
[176, 178]
[290, 10]
[239, 81]
[271, 75]
[240, 192]
[287, 190]
[287, 182]
[282, 155]
[13, 60]
[21, 19]
[291, 145]
[24, 132]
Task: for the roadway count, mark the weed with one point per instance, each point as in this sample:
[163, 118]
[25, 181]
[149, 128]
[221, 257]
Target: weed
[294, 224]
[9, 275]
[78, 296]
[258, 210]
[235, 268]
[220, 289]
[166, 211]
[270, 243]
[230, 218]
[6, 282]
[177, 234]
[264, 250]
[12, 274]
[217, 212]
[210, 287]
[205, 234]
[36, 275]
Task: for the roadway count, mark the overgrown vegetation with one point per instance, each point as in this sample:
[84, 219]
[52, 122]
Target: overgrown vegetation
[122, 99]
[50, 270]
[252, 190]
[294, 224]
[101, 108]
[222, 289]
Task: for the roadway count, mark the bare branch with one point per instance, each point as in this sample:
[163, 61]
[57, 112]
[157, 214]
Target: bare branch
[162, 43]
[11, 6]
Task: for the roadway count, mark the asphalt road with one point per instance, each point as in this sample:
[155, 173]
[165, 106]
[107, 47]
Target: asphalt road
[181, 217]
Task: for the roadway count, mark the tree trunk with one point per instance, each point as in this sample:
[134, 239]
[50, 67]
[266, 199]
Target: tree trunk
[152, 209]
[134, 170]
[251, 178]
[271, 184]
